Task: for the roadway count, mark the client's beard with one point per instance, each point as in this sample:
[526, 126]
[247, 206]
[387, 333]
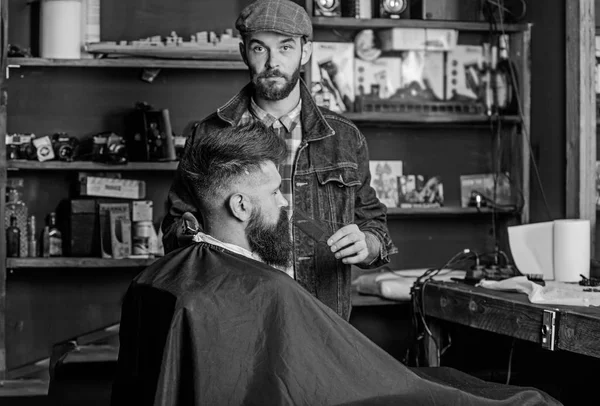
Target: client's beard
[271, 92]
[272, 243]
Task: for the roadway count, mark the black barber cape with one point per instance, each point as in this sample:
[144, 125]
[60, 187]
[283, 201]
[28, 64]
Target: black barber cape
[206, 326]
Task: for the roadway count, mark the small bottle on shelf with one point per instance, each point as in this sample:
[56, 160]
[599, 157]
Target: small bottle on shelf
[54, 237]
[15, 206]
[31, 238]
[46, 242]
[13, 238]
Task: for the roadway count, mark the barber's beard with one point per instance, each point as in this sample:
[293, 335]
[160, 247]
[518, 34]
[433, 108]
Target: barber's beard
[271, 242]
[267, 90]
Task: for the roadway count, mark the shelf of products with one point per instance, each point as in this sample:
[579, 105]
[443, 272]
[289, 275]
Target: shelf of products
[128, 63]
[353, 23]
[421, 118]
[444, 211]
[66, 262]
[90, 166]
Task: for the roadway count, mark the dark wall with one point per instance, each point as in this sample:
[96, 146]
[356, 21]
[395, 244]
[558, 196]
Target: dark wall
[548, 126]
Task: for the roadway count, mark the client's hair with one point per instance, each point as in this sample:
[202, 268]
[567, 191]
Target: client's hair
[215, 159]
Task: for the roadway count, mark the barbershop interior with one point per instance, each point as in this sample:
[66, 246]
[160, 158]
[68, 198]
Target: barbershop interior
[299, 202]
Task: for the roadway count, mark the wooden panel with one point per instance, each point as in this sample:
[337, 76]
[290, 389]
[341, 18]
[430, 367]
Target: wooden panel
[91, 166]
[359, 300]
[580, 331]
[498, 312]
[548, 110]
[47, 306]
[425, 118]
[126, 63]
[83, 264]
[443, 211]
[352, 23]
[85, 101]
[424, 243]
[521, 143]
[3, 48]
[24, 388]
[581, 112]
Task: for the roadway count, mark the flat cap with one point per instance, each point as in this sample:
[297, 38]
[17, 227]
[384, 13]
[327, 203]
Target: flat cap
[280, 16]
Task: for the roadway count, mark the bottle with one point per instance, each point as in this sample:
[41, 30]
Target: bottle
[46, 242]
[31, 239]
[54, 237]
[13, 239]
[16, 207]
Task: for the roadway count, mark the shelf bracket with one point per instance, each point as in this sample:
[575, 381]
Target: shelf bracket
[149, 74]
[8, 69]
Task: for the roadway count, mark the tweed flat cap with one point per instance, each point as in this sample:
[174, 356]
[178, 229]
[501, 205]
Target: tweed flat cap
[280, 16]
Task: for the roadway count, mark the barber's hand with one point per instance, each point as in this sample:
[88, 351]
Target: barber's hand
[349, 244]
[188, 227]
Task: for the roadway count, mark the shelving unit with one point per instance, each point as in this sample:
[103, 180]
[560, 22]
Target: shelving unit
[89, 166]
[519, 44]
[82, 263]
[405, 136]
[126, 63]
[353, 23]
[397, 212]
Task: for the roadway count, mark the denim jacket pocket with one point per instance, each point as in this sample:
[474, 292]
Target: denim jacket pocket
[337, 195]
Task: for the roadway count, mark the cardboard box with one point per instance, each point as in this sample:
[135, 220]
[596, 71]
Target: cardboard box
[418, 39]
[332, 75]
[383, 72]
[111, 187]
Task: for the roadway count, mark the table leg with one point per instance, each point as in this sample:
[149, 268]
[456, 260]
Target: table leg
[431, 345]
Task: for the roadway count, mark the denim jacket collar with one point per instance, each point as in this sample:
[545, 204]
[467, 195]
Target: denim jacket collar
[314, 125]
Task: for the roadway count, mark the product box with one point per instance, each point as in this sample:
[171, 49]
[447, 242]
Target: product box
[423, 73]
[332, 75]
[418, 39]
[112, 187]
[115, 230]
[484, 185]
[81, 225]
[141, 210]
[384, 179]
[464, 66]
[415, 191]
[384, 73]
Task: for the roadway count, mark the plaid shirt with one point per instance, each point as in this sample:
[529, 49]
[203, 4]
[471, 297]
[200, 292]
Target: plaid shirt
[288, 126]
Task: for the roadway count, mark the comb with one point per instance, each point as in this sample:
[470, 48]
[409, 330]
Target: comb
[310, 226]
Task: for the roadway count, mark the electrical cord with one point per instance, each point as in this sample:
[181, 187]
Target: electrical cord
[500, 4]
[417, 300]
[510, 357]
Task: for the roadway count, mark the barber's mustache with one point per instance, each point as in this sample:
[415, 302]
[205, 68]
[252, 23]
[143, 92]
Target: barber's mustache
[271, 74]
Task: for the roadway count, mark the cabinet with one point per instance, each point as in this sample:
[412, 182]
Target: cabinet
[49, 300]
[449, 145]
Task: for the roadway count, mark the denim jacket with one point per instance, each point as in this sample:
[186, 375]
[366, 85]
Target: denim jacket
[331, 183]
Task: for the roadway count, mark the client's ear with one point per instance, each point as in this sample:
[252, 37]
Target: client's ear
[240, 206]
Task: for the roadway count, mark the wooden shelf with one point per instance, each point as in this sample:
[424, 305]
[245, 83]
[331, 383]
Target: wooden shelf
[359, 300]
[66, 262]
[353, 23]
[90, 166]
[24, 388]
[443, 211]
[127, 63]
[422, 118]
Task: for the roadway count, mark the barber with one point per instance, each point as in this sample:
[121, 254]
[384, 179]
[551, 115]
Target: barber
[326, 171]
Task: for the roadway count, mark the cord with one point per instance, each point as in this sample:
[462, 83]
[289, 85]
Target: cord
[510, 357]
[417, 294]
[500, 3]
